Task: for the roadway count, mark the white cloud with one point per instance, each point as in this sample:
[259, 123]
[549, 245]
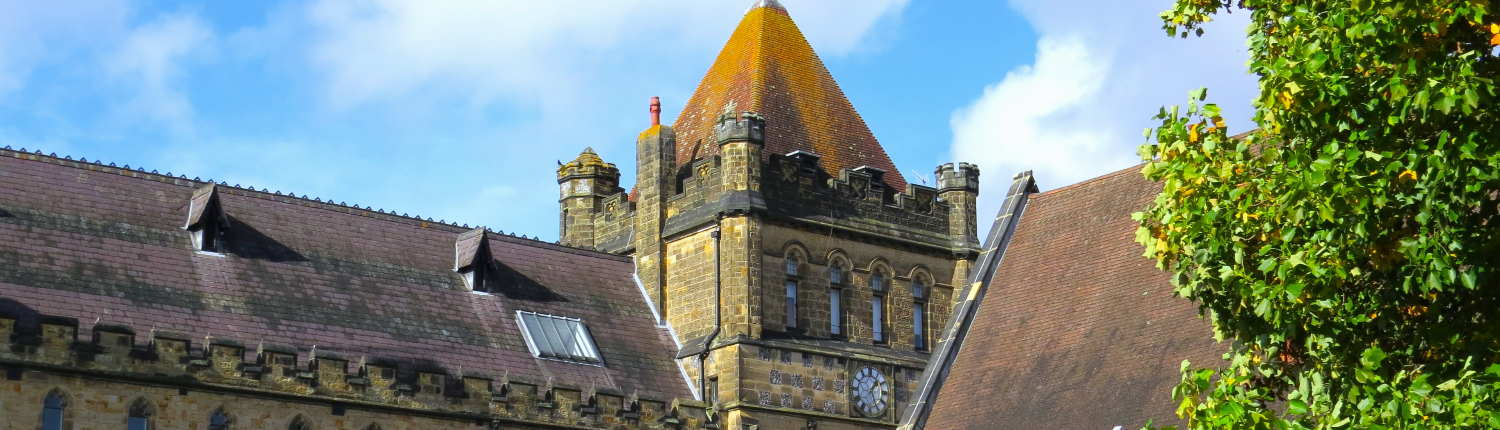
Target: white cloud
[1101, 72]
[1037, 116]
[556, 54]
[149, 65]
[33, 32]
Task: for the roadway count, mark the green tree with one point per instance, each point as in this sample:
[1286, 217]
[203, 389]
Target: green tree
[1348, 249]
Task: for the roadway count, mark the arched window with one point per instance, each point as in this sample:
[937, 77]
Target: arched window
[52, 410]
[140, 415]
[919, 313]
[299, 423]
[791, 291]
[218, 420]
[373, 426]
[877, 306]
[836, 298]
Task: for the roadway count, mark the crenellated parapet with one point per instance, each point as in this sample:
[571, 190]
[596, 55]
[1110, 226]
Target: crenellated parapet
[744, 126]
[958, 177]
[958, 184]
[588, 165]
[858, 200]
[590, 202]
[121, 353]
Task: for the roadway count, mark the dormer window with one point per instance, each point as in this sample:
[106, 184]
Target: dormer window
[558, 338]
[207, 220]
[472, 259]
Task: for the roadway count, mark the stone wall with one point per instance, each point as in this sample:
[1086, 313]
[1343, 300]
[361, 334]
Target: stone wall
[859, 259]
[185, 380]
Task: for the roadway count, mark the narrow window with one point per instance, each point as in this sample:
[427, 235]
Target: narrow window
[791, 293]
[877, 307]
[836, 311]
[836, 299]
[140, 415]
[558, 338]
[919, 314]
[219, 420]
[52, 411]
[713, 391]
[791, 304]
[299, 423]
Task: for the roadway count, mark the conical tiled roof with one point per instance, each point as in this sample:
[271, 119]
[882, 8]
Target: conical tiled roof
[769, 68]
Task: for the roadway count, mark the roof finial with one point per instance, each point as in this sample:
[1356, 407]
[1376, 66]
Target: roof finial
[767, 3]
[655, 111]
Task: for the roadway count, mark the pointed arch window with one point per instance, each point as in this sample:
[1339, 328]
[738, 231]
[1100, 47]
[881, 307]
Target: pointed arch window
[140, 415]
[877, 307]
[52, 410]
[218, 420]
[299, 423]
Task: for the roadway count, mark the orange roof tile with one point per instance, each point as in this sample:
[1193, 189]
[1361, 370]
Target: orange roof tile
[768, 67]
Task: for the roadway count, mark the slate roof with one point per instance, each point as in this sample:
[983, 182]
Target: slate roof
[768, 67]
[1077, 330]
[91, 242]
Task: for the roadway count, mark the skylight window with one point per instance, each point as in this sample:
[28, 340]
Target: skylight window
[558, 338]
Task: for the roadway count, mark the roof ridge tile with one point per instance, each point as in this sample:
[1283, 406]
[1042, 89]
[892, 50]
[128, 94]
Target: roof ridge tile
[236, 189]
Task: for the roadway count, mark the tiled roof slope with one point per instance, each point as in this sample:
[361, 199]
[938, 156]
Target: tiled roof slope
[1077, 330]
[768, 67]
[94, 242]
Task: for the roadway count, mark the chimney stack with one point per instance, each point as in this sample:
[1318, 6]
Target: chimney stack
[655, 111]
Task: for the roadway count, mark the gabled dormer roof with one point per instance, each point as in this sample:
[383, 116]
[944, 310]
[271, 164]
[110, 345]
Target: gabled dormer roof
[768, 67]
[471, 248]
[204, 206]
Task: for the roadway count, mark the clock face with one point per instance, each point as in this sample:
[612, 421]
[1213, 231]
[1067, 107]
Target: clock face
[869, 389]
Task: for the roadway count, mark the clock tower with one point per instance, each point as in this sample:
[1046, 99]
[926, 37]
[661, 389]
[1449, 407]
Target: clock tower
[804, 277]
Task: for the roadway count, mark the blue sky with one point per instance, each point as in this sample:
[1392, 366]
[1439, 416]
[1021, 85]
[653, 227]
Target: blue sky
[460, 110]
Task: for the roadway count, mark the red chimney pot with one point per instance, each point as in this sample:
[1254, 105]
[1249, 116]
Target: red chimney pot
[655, 111]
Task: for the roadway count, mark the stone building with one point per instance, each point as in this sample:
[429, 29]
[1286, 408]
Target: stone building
[804, 277]
[771, 268]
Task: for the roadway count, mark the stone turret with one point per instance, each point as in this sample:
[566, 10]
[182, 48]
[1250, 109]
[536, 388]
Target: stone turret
[585, 182]
[958, 184]
[741, 138]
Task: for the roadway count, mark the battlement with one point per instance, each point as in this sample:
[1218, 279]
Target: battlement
[745, 126]
[859, 199]
[957, 177]
[588, 165]
[112, 351]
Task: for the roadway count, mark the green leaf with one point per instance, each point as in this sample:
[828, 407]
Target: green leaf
[1372, 357]
[1198, 94]
[1296, 407]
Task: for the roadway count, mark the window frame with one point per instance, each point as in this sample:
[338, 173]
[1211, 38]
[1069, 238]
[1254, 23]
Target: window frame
[59, 417]
[879, 314]
[921, 290]
[793, 294]
[553, 336]
[140, 414]
[838, 309]
[219, 420]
